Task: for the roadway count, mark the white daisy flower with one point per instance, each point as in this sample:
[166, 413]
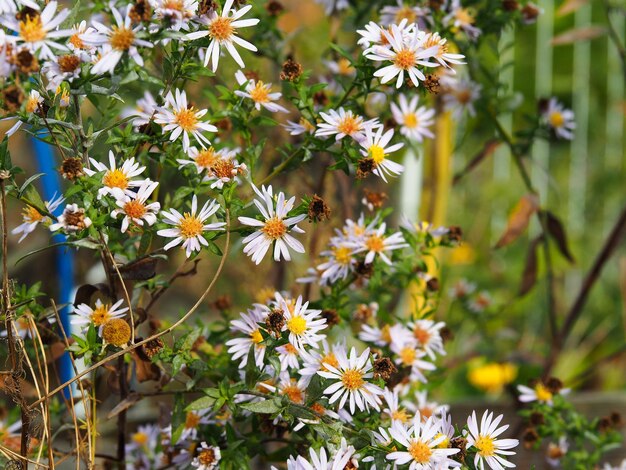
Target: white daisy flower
[190, 226]
[556, 452]
[443, 56]
[71, 220]
[115, 41]
[85, 315]
[409, 355]
[61, 68]
[480, 302]
[259, 92]
[248, 324]
[340, 262]
[373, 334]
[314, 359]
[193, 421]
[375, 147]
[38, 32]
[289, 357]
[539, 392]
[332, 6]
[134, 208]
[376, 243]
[77, 45]
[414, 120]
[33, 102]
[175, 14]
[560, 119]
[144, 439]
[459, 94]
[302, 323]
[395, 14]
[222, 30]
[461, 289]
[393, 409]
[178, 118]
[425, 408]
[351, 383]
[343, 123]
[428, 336]
[461, 18]
[117, 181]
[489, 449]
[144, 112]
[301, 127]
[207, 457]
[32, 217]
[421, 441]
[274, 229]
[407, 52]
[341, 66]
[221, 166]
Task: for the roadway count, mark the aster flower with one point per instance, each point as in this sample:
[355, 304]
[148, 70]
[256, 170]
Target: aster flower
[489, 449]
[302, 323]
[556, 452]
[343, 123]
[72, 220]
[314, 359]
[480, 302]
[38, 31]
[461, 289]
[193, 420]
[222, 30]
[76, 44]
[32, 217]
[421, 442]
[248, 324]
[425, 408]
[117, 182]
[351, 384]
[145, 438]
[376, 243]
[395, 14]
[134, 208]
[459, 94]
[407, 52]
[175, 14]
[539, 392]
[409, 355]
[207, 457]
[85, 315]
[178, 118]
[428, 336]
[443, 55]
[393, 409]
[375, 146]
[289, 357]
[61, 68]
[145, 110]
[115, 41]
[340, 261]
[275, 227]
[221, 166]
[414, 120]
[461, 18]
[301, 127]
[559, 119]
[259, 92]
[190, 226]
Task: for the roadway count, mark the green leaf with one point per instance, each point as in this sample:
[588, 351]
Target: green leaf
[201, 404]
[263, 407]
[178, 417]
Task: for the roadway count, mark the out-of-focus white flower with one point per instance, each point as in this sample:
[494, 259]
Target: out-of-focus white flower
[459, 95]
[414, 120]
[248, 324]
[560, 119]
[461, 18]
[32, 217]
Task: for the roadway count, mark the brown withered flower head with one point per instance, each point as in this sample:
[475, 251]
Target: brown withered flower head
[318, 209]
[141, 11]
[320, 98]
[537, 419]
[364, 167]
[291, 71]
[275, 321]
[432, 84]
[72, 168]
[455, 234]
[274, 8]
[331, 316]
[222, 303]
[510, 5]
[384, 368]
[461, 444]
[364, 269]
[26, 62]
[373, 199]
[530, 12]
[553, 385]
[364, 312]
[530, 437]
[12, 98]
[153, 347]
[224, 124]
[68, 63]
[27, 13]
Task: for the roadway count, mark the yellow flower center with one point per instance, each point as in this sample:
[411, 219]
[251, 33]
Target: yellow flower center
[297, 325]
[221, 29]
[385, 333]
[411, 121]
[206, 457]
[556, 119]
[76, 41]
[543, 394]
[423, 336]
[317, 408]
[344, 66]
[177, 5]
[256, 336]
[329, 359]
[30, 215]
[260, 93]
[420, 452]
[206, 158]
[406, 13]
[121, 38]
[134, 209]
[375, 243]
[485, 446]
[186, 119]
[307, 125]
[349, 125]
[223, 168]
[191, 420]
[100, 315]
[343, 255]
[408, 355]
[400, 415]
[32, 104]
[31, 29]
[376, 153]
[352, 379]
[190, 226]
[294, 393]
[443, 444]
[115, 179]
[463, 16]
[274, 228]
[140, 438]
[405, 59]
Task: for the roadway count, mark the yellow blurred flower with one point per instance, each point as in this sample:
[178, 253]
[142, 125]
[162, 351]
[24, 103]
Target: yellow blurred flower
[493, 376]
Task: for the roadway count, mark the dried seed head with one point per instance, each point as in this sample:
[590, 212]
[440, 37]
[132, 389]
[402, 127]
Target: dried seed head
[318, 209]
[26, 62]
[222, 303]
[331, 316]
[275, 321]
[530, 13]
[320, 98]
[27, 13]
[530, 437]
[141, 11]
[274, 8]
[224, 125]
[455, 234]
[554, 385]
[432, 284]
[153, 347]
[432, 84]
[461, 444]
[364, 270]
[364, 167]
[537, 419]
[116, 332]
[72, 168]
[13, 97]
[384, 368]
[291, 71]
[68, 63]
[206, 6]
[510, 5]
[375, 199]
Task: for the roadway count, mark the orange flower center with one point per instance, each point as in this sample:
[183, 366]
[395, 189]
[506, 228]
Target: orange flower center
[343, 255]
[405, 59]
[206, 158]
[206, 457]
[31, 29]
[190, 226]
[408, 355]
[223, 168]
[134, 209]
[375, 243]
[192, 420]
[352, 379]
[274, 228]
[260, 93]
[411, 121]
[115, 179]
[349, 125]
[221, 29]
[400, 415]
[76, 41]
[329, 359]
[186, 118]
[30, 215]
[423, 336]
[121, 38]
[294, 393]
[100, 315]
[420, 452]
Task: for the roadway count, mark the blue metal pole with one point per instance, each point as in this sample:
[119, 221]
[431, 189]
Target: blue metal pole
[51, 185]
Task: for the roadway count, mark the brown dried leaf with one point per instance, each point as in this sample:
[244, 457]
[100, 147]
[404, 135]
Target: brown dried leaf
[529, 276]
[570, 6]
[487, 150]
[55, 351]
[579, 34]
[87, 293]
[126, 403]
[557, 232]
[519, 219]
[139, 270]
[145, 369]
